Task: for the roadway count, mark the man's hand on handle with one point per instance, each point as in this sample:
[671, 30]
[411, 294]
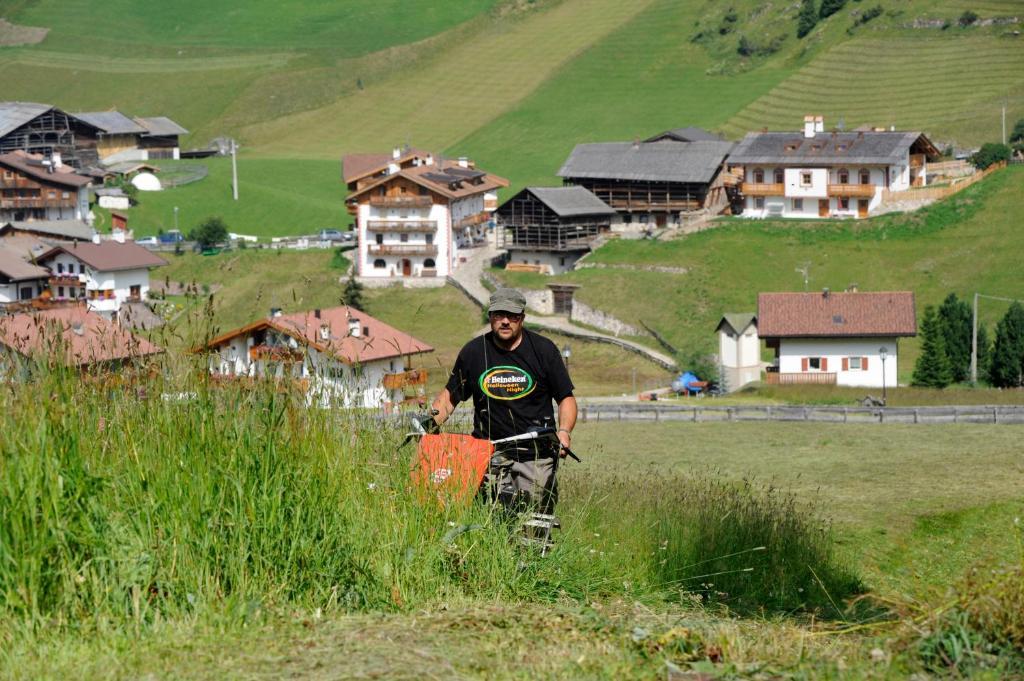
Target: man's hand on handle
[565, 440]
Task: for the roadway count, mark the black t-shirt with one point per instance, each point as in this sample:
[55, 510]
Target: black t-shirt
[512, 390]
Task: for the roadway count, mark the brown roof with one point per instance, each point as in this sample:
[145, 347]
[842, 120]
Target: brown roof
[30, 164]
[817, 315]
[358, 166]
[108, 256]
[17, 268]
[426, 176]
[87, 338]
[381, 342]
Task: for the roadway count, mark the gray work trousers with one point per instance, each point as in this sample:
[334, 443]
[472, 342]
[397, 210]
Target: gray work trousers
[523, 483]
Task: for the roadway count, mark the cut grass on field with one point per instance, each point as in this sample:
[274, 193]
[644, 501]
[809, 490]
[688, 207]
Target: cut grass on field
[896, 493]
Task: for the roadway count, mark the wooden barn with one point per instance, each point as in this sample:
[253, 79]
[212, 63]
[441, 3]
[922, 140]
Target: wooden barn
[46, 130]
[547, 229]
[661, 182]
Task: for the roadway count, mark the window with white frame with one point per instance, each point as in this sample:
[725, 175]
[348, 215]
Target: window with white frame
[855, 364]
[814, 364]
[798, 205]
[805, 179]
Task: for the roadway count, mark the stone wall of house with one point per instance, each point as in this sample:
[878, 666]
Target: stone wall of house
[584, 314]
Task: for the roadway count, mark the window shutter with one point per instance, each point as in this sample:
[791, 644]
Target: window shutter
[803, 364]
[864, 363]
[824, 363]
[846, 363]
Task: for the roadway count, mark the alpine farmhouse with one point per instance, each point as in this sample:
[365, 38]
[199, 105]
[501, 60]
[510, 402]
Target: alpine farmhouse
[414, 212]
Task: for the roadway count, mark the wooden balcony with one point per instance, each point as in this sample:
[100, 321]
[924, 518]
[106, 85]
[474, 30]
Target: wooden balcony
[13, 203]
[917, 160]
[402, 201]
[403, 249]
[65, 280]
[275, 353]
[762, 189]
[475, 219]
[800, 378]
[405, 379]
[424, 226]
[855, 191]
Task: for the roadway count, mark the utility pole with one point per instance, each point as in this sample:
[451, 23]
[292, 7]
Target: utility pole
[1004, 121]
[805, 270]
[234, 169]
[974, 332]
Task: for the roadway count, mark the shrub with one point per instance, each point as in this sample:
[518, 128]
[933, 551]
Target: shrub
[968, 18]
[807, 18]
[869, 14]
[990, 154]
[749, 48]
[210, 232]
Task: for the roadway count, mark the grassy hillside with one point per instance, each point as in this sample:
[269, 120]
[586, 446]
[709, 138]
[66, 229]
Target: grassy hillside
[968, 243]
[275, 198]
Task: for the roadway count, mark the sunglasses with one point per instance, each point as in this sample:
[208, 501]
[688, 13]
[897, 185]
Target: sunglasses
[511, 316]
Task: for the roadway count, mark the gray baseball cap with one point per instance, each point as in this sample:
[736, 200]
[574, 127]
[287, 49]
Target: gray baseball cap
[507, 300]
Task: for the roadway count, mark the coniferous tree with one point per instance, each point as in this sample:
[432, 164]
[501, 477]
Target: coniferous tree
[830, 7]
[932, 368]
[807, 18]
[984, 353]
[353, 293]
[956, 318]
[1007, 363]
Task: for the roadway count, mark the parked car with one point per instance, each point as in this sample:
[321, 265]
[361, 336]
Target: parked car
[331, 235]
[147, 241]
[171, 236]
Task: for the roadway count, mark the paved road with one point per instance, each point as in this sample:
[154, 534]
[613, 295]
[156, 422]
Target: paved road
[467, 277]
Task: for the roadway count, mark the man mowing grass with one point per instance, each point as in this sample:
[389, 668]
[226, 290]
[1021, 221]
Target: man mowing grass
[513, 376]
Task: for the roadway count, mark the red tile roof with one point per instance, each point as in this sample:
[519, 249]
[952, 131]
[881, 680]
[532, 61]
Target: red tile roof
[87, 338]
[382, 341]
[108, 256]
[818, 315]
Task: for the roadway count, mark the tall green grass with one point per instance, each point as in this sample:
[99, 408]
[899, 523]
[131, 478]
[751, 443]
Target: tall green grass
[128, 504]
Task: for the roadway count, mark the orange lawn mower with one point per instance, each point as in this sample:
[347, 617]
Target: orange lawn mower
[450, 470]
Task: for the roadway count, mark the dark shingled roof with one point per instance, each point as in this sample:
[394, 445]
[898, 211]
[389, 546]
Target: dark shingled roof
[160, 126]
[68, 230]
[824, 147]
[111, 122]
[32, 165]
[16, 268]
[679, 162]
[737, 321]
[688, 134]
[571, 201]
[820, 315]
[13, 115]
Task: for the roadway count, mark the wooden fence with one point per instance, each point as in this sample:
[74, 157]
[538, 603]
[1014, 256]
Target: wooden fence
[800, 378]
[936, 193]
[990, 414]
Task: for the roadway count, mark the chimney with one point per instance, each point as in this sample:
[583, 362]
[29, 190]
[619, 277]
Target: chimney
[430, 160]
[275, 312]
[96, 238]
[354, 328]
[808, 126]
[825, 292]
[852, 288]
[118, 235]
[463, 162]
[892, 128]
[819, 124]
[55, 160]
[366, 331]
[396, 153]
[316, 313]
[325, 331]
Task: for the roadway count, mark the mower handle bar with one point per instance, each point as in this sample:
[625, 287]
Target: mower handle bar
[546, 433]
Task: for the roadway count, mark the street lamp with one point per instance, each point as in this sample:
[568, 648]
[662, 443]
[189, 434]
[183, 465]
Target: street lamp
[883, 352]
[566, 354]
[175, 218]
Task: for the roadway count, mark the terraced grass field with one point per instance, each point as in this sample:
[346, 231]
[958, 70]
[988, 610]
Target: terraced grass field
[949, 85]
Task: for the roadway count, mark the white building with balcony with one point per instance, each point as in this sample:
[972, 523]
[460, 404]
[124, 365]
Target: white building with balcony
[107, 274]
[339, 356]
[849, 338]
[819, 174]
[413, 213]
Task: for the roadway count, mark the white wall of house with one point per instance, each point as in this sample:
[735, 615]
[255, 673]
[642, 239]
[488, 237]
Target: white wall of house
[121, 283]
[792, 352]
[557, 262]
[331, 383]
[115, 202]
[739, 356]
[800, 198]
[393, 265]
[11, 292]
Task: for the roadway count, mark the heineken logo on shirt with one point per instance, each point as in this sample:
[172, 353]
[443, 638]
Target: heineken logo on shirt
[506, 383]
